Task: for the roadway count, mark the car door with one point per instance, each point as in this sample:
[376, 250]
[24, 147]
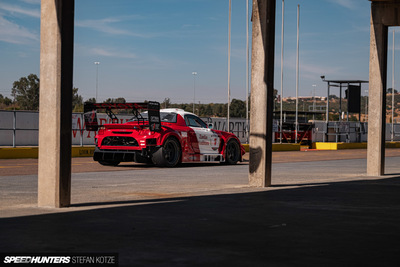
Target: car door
[203, 139]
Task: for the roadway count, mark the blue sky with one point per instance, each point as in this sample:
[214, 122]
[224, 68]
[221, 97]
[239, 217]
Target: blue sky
[148, 49]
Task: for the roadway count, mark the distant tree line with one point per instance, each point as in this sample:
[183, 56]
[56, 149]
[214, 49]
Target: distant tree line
[25, 93]
[25, 96]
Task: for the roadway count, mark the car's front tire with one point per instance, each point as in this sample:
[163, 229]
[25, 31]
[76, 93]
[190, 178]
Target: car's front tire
[169, 155]
[232, 152]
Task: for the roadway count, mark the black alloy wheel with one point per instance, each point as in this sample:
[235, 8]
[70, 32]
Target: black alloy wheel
[169, 155]
[232, 152]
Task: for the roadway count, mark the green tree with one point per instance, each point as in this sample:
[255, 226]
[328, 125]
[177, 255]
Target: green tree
[238, 108]
[91, 100]
[26, 92]
[6, 101]
[115, 100]
[208, 111]
[77, 101]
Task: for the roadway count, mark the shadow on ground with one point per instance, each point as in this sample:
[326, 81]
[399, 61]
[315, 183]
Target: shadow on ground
[331, 224]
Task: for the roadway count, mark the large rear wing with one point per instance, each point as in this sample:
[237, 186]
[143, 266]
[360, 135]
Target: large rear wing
[153, 109]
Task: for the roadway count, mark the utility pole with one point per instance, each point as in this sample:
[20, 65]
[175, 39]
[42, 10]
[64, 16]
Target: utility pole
[281, 98]
[194, 88]
[97, 77]
[229, 63]
[314, 85]
[297, 74]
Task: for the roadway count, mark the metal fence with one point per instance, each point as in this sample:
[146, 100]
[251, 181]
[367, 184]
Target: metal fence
[21, 128]
[15, 125]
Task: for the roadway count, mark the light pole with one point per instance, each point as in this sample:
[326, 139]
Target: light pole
[194, 88]
[314, 85]
[366, 105]
[281, 98]
[247, 72]
[229, 64]
[297, 74]
[97, 63]
[392, 135]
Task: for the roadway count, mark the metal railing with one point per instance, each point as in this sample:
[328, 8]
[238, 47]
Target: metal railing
[15, 129]
[345, 129]
[11, 122]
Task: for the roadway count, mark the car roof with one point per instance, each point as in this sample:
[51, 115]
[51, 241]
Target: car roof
[176, 110]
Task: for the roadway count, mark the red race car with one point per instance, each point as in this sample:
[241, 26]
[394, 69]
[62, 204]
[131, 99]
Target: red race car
[163, 137]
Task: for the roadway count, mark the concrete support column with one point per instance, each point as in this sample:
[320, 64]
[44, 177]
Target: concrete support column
[55, 109]
[377, 95]
[262, 88]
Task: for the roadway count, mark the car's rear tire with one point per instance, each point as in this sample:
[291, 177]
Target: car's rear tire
[109, 163]
[232, 152]
[169, 155]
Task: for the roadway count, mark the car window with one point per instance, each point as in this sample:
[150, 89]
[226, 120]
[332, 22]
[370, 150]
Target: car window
[194, 121]
[168, 117]
[165, 117]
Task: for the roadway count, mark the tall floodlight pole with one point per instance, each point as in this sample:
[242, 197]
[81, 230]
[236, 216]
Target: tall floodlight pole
[229, 63]
[247, 71]
[281, 98]
[297, 73]
[392, 135]
[97, 63]
[314, 85]
[366, 105]
[194, 88]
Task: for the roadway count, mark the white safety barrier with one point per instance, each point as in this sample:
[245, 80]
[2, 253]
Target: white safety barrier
[21, 128]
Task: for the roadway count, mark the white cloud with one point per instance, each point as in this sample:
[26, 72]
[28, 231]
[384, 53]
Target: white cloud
[104, 25]
[111, 53]
[32, 2]
[19, 10]
[314, 71]
[13, 33]
[350, 4]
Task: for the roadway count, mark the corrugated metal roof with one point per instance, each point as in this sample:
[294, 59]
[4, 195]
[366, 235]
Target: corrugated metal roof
[345, 81]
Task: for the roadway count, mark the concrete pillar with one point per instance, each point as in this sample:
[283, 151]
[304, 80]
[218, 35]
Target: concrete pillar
[262, 87]
[377, 94]
[55, 109]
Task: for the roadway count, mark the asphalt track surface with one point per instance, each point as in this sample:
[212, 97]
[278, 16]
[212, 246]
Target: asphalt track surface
[321, 210]
[11, 167]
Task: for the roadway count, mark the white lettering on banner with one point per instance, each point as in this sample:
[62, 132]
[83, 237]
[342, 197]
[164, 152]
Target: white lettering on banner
[78, 125]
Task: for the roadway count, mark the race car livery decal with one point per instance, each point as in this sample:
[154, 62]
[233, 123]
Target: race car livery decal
[208, 141]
